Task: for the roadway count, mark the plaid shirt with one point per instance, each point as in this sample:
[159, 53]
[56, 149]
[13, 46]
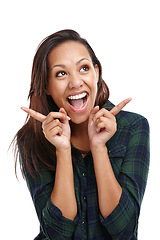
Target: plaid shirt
[129, 156]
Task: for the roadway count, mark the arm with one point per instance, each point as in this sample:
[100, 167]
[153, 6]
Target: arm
[57, 131]
[53, 224]
[54, 196]
[122, 223]
[109, 190]
[102, 126]
[126, 190]
[63, 194]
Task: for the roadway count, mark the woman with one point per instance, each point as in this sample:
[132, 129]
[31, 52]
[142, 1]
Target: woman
[85, 161]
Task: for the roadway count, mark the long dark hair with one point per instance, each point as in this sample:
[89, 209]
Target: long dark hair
[30, 141]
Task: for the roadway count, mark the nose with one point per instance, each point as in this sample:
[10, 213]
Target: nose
[75, 81]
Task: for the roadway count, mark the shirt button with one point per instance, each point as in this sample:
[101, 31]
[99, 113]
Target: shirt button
[84, 198]
[84, 174]
[83, 223]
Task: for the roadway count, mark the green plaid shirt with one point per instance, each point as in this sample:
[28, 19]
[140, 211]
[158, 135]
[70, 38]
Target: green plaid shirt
[129, 155]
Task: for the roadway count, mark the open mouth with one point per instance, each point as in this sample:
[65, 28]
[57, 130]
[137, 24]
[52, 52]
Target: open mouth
[78, 102]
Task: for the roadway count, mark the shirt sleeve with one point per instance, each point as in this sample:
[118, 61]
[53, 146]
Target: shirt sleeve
[53, 223]
[122, 223]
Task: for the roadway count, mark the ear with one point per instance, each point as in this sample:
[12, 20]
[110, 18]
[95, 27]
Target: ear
[97, 72]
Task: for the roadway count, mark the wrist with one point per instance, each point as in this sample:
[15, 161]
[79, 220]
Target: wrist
[61, 149]
[100, 156]
[63, 153]
[98, 148]
[99, 152]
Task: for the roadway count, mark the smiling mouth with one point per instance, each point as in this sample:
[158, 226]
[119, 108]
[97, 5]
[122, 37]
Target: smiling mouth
[78, 101]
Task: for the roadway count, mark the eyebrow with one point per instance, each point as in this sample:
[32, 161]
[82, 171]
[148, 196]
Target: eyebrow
[63, 66]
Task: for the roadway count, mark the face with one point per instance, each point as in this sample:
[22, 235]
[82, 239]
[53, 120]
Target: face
[73, 80]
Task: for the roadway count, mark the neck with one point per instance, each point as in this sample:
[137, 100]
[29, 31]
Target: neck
[79, 129]
[79, 136]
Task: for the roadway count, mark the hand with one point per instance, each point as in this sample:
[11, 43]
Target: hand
[55, 127]
[102, 124]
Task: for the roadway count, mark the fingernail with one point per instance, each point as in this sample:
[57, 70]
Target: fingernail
[91, 122]
[24, 108]
[129, 99]
[68, 118]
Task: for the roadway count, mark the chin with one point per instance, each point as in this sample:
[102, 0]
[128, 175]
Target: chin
[79, 119]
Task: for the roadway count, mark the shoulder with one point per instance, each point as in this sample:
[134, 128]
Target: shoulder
[126, 119]
[131, 120]
[132, 131]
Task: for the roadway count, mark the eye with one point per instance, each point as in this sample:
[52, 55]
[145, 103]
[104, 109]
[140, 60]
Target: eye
[84, 68]
[60, 74]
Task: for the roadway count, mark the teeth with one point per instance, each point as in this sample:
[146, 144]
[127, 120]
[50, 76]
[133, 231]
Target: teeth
[79, 96]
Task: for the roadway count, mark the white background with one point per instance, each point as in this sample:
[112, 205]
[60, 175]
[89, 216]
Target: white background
[126, 38]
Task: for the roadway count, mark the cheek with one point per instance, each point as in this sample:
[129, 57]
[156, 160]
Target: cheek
[91, 80]
[94, 85]
[95, 95]
[57, 91]
[94, 90]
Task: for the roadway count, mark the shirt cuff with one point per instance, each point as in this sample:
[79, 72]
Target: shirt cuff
[52, 216]
[122, 219]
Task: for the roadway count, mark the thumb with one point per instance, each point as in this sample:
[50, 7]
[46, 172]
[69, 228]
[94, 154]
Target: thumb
[67, 118]
[93, 112]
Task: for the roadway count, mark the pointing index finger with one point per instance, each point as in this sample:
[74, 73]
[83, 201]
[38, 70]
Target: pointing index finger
[36, 115]
[121, 105]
